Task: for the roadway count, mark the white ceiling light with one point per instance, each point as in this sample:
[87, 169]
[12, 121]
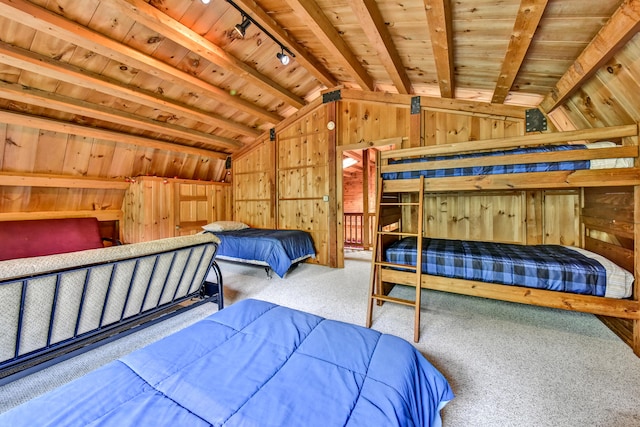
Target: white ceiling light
[283, 57]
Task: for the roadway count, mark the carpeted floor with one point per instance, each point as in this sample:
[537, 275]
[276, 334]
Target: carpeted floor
[509, 364]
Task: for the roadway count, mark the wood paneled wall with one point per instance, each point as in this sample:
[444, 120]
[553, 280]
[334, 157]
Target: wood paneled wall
[156, 208]
[539, 217]
[55, 174]
[254, 186]
[303, 196]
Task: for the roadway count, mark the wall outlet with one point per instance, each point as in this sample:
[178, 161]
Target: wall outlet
[325, 198]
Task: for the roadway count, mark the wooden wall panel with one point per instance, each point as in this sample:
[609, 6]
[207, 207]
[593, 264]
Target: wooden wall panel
[253, 186]
[368, 121]
[303, 180]
[562, 218]
[28, 150]
[156, 208]
[483, 216]
[148, 211]
[505, 217]
[442, 127]
[256, 213]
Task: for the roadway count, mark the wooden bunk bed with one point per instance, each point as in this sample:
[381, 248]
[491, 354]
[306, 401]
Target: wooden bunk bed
[608, 214]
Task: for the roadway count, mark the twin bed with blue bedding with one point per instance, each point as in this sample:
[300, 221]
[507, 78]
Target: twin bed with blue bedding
[253, 364]
[277, 250]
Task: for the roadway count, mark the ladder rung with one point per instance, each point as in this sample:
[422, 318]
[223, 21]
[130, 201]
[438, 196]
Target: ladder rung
[394, 300]
[394, 265]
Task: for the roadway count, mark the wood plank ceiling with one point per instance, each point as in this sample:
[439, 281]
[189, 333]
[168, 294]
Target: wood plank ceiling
[174, 75]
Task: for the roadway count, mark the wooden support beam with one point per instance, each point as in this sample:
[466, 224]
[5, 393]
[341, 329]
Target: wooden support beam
[50, 23]
[18, 93]
[441, 33]
[101, 215]
[376, 30]
[303, 57]
[147, 15]
[314, 18]
[527, 20]
[52, 125]
[41, 64]
[11, 179]
[483, 109]
[621, 27]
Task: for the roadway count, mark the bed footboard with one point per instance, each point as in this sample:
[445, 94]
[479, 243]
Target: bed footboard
[54, 304]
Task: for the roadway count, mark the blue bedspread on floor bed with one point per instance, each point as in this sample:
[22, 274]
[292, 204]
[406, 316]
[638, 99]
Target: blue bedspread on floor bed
[279, 249]
[550, 267]
[253, 364]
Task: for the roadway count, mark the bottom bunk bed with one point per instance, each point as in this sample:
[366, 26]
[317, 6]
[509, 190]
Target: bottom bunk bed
[253, 364]
[277, 250]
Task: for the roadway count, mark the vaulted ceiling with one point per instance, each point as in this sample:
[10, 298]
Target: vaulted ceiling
[175, 73]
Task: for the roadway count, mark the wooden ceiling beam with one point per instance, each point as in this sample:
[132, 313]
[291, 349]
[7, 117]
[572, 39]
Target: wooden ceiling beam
[376, 30]
[57, 26]
[52, 125]
[527, 20]
[12, 179]
[621, 27]
[19, 93]
[40, 64]
[441, 34]
[303, 57]
[314, 18]
[154, 19]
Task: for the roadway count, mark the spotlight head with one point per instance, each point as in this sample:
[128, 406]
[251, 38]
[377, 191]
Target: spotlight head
[241, 28]
[205, 1]
[283, 57]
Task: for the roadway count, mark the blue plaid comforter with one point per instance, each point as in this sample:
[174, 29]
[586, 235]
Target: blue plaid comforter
[492, 170]
[550, 267]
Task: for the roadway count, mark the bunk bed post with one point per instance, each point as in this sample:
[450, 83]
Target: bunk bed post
[416, 325]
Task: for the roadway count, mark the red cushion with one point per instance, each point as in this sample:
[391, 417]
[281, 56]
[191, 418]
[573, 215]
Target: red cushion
[23, 239]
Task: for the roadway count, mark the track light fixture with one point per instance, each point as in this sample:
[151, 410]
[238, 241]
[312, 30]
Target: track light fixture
[285, 54]
[283, 57]
[241, 29]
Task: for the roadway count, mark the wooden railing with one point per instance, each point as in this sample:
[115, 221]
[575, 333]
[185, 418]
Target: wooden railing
[354, 236]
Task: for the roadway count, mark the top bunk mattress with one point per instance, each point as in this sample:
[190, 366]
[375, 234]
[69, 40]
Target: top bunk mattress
[510, 168]
[550, 267]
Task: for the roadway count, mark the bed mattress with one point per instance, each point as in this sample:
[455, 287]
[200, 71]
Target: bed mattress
[551, 267]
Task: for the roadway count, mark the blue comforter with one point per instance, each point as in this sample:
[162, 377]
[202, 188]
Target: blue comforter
[551, 267]
[279, 249]
[253, 364]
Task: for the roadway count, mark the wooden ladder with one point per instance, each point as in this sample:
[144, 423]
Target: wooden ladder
[376, 291]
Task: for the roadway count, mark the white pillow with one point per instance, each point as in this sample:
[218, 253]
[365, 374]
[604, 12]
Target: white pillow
[626, 162]
[225, 226]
